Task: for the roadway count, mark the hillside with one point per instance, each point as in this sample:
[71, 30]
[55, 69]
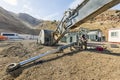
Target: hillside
[23, 23]
[29, 19]
[49, 25]
[10, 23]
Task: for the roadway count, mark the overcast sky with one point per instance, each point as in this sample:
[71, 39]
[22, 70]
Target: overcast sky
[41, 9]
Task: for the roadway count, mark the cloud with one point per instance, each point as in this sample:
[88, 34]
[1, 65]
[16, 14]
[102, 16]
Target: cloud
[11, 2]
[52, 16]
[27, 8]
[75, 3]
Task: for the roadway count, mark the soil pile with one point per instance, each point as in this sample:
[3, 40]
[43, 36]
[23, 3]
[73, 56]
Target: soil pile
[67, 65]
[20, 49]
[15, 50]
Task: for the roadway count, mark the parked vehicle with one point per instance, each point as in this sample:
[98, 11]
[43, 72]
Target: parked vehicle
[2, 38]
[11, 36]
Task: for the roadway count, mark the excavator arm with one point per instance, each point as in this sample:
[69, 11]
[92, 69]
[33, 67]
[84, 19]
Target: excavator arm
[83, 12]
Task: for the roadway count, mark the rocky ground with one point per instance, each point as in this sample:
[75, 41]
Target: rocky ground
[67, 65]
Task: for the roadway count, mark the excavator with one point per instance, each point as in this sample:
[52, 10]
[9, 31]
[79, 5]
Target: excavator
[71, 20]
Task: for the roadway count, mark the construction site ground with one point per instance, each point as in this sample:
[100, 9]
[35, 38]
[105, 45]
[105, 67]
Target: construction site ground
[66, 65]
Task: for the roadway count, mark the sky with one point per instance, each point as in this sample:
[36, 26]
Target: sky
[42, 9]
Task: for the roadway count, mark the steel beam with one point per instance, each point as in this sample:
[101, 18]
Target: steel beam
[14, 66]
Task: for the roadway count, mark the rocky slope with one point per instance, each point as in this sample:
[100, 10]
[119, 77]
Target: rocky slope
[48, 25]
[10, 23]
[23, 23]
[29, 19]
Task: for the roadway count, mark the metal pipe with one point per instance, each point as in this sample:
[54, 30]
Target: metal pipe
[44, 54]
[37, 57]
[14, 66]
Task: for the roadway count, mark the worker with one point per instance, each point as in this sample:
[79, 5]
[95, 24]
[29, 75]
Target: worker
[83, 40]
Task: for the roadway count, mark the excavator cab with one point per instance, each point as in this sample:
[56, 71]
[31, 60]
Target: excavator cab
[45, 37]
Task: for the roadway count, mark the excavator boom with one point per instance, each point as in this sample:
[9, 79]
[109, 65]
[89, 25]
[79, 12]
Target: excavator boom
[83, 12]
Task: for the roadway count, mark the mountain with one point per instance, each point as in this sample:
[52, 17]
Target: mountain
[24, 23]
[9, 22]
[29, 19]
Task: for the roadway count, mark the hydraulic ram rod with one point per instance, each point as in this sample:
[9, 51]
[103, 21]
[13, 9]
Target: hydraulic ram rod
[14, 66]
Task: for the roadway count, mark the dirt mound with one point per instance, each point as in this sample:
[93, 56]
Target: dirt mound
[15, 50]
[67, 65]
[20, 49]
[74, 66]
